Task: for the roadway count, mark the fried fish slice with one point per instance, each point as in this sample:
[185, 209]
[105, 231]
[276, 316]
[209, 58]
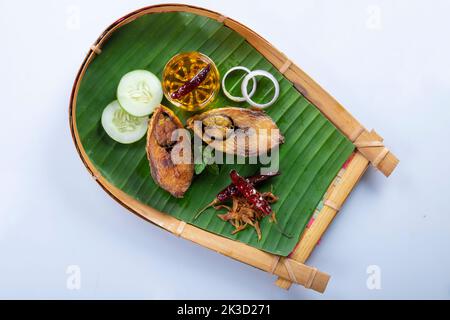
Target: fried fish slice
[169, 152]
[240, 131]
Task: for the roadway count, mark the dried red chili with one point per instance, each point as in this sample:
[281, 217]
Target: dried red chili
[192, 84]
[231, 190]
[252, 195]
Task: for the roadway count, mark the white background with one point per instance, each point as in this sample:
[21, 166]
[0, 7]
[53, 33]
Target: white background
[386, 61]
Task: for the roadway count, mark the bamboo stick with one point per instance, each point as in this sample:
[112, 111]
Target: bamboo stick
[339, 194]
[387, 164]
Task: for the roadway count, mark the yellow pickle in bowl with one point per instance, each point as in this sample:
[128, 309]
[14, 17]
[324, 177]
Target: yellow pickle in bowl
[191, 81]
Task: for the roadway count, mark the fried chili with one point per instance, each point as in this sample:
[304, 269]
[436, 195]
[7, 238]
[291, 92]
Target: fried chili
[253, 196]
[249, 206]
[232, 191]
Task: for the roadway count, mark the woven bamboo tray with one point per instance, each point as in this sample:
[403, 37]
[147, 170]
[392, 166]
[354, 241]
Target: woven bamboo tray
[369, 146]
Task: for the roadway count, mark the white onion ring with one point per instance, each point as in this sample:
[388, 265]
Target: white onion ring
[253, 75]
[228, 94]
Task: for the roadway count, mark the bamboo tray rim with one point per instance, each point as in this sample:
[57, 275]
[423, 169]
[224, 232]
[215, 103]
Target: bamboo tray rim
[290, 270]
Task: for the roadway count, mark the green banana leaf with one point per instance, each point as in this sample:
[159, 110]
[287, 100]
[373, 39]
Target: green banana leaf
[312, 155]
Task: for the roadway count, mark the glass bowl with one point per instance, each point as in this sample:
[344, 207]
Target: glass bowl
[182, 68]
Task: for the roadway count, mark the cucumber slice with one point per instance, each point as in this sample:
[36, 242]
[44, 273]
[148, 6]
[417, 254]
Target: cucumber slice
[139, 92]
[122, 126]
